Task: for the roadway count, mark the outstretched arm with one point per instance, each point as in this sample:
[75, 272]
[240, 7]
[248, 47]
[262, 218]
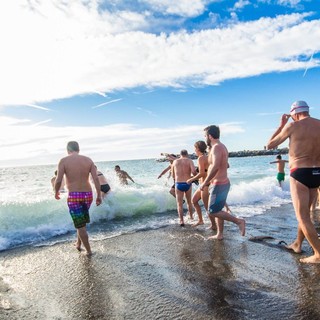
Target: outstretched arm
[164, 171]
[129, 177]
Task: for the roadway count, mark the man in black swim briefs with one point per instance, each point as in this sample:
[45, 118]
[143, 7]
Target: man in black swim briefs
[304, 162]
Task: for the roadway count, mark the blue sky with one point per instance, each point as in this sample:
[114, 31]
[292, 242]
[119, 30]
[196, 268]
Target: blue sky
[132, 79]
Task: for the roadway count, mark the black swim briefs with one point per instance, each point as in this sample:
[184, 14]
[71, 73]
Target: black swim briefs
[310, 177]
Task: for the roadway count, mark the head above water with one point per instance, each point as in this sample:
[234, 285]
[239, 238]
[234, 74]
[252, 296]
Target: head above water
[298, 107]
[279, 157]
[73, 146]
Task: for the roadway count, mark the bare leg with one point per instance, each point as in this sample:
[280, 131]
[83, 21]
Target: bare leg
[189, 203]
[220, 227]
[239, 222]
[179, 199]
[78, 243]
[83, 236]
[195, 201]
[173, 192]
[205, 199]
[295, 246]
[302, 198]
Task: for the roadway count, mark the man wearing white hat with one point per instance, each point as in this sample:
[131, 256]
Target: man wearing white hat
[304, 162]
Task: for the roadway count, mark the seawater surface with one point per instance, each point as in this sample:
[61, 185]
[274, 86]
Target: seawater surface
[30, 215]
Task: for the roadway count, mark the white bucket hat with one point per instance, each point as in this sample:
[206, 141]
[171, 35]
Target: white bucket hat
[299, 106]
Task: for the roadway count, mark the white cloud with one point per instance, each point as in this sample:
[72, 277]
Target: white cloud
[291, 3]
[44, 144]
[59, 49]
[179, 7]
[241, 4]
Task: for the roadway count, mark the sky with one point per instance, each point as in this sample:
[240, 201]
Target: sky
[129, 79]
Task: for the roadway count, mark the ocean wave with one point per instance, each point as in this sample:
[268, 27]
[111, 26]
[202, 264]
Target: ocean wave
[128, 208]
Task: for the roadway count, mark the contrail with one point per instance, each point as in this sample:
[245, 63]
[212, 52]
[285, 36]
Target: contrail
[37, 107]
[103, 104]
[41, 122]
[305, 71]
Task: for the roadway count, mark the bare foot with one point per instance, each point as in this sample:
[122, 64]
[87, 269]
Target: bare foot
[78, 246]
[294, 247]
[197, 224]
[89, 253]
[212, 227]
[242, 227]
[191, 216]
[311, 259]
[216, 237]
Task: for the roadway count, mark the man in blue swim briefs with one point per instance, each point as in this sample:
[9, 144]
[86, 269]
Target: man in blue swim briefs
[218, 180]
[77, 170]
[304, 162]
[182, 169]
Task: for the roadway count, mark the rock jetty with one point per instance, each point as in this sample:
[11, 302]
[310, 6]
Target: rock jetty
[253, 153]
[244, 153]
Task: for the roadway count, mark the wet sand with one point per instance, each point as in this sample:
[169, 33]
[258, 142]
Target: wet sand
[169, 273]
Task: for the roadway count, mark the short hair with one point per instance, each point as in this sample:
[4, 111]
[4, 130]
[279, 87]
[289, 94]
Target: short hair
[117, 167]
[214, 131]
[201, 146]
[73, 146]
[279, 156]
[184, 152]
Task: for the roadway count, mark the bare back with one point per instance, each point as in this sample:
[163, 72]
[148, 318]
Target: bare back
[304, 146]
[77, 169]
[183, 168]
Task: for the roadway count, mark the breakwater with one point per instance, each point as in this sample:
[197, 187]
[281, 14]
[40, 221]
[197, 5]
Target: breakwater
[244, 153]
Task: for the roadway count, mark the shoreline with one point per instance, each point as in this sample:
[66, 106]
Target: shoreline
[167, 273]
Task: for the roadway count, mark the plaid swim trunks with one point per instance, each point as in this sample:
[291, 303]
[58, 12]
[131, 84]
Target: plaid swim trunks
[79, 204]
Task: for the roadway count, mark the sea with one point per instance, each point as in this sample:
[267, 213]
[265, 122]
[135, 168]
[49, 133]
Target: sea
[31, 216]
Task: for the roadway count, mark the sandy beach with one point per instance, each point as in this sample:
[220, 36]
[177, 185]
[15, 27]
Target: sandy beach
[169, 273]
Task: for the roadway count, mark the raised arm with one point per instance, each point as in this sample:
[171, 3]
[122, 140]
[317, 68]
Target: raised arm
[281, 134]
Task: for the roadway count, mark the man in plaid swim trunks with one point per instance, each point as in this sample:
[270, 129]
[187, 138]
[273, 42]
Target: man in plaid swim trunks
[77, 169]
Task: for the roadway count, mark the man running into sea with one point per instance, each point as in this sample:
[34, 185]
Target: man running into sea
[182, 170]
[304, 163]
[218, 180]
[77, 170]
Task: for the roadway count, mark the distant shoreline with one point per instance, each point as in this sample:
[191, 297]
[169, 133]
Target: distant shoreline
[244, 153]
